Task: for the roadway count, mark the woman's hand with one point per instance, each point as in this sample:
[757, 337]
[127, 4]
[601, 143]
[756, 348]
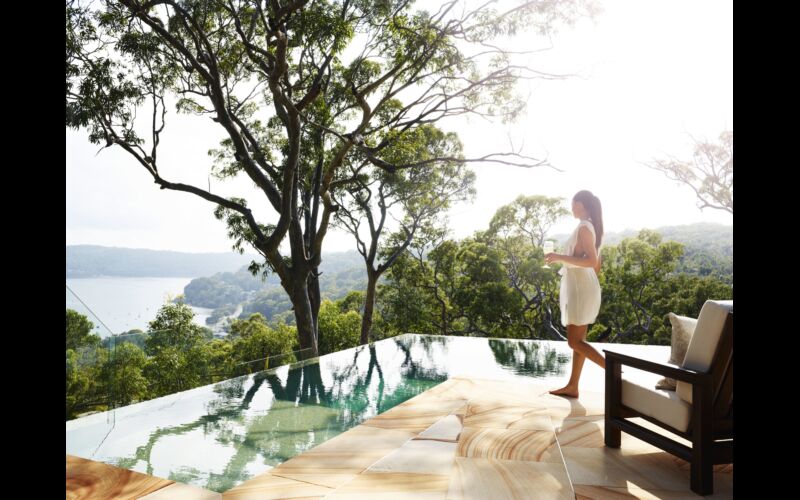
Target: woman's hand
[552, 257]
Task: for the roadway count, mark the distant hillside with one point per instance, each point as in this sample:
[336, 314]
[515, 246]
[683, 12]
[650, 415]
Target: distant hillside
[87, 261]
[708, 248]
[702, 236]
[340, 272]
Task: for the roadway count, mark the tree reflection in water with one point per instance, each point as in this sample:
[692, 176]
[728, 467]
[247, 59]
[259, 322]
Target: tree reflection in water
[528, 358]
[269, 417]
[305, 410]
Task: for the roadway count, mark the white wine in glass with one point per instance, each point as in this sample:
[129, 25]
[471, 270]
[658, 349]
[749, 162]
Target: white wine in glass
[548, 247]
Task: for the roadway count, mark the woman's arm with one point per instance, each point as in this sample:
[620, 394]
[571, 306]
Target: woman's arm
[590, 258]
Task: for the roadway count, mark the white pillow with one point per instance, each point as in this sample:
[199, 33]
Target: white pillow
[682, 331]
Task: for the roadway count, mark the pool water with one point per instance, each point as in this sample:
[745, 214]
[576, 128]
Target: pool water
[221, 435]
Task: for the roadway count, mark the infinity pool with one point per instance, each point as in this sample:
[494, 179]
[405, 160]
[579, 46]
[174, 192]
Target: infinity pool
[221, 435]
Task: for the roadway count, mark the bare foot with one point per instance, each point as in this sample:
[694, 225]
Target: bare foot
[565, 391]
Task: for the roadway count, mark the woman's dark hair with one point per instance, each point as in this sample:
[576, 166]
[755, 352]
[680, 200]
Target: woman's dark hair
[592, 205]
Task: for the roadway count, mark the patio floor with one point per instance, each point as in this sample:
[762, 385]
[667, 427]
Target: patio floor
[466, 438]
[477, 439]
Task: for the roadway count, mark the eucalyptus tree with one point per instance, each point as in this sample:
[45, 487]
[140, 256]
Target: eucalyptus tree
[709, 173]
[413, 199]
[300, 89]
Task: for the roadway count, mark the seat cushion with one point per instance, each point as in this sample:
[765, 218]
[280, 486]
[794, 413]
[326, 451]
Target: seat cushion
[638, 393]
[704, 341]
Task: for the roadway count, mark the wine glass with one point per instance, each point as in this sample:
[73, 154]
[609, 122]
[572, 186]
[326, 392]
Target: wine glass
[548, 247]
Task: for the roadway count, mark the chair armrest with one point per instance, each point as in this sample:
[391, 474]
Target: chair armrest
[681, 374]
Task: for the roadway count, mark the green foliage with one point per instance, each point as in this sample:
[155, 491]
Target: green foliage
[404, 302]
[298, 112]
[221, 363]
[353, 301]
[341, 272]
[707, 264]
[708, 248]
[482, 294]
[254, 341]
[490, 285]
[135, 337]
[173, 327]
[529, 216]
[79, 331]
[124, 374]
[640, 287]
[684, 295]
[219, 313]
[337, 330]
[178, 355]
[172, 369]
[494, 285]
[224, 289]
[268, 303]
[85, 388]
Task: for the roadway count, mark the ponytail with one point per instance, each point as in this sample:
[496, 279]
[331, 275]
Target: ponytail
[592, 205]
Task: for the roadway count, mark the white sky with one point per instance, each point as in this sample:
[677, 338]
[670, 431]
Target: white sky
[651, 73]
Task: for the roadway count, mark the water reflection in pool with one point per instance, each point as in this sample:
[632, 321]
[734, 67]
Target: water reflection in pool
[220, 435]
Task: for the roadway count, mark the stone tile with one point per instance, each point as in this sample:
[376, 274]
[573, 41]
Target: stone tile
[723, 487]
[505, 416]
[427, 406]
[418, 456]
[584, 492]
[470, 438]
[391, 485]
[621, 468]
[511, 393]
[180, 491]
[325, 463]
[330, 480]
[338, 460]
[720, 468]
[410, 423]
[87, 479]
[509, 444]
[589, 432]
[446, 429]
[366, 437]
[268, 486]
[480, 479]
[722, 490]
[588, 404]
[417, 417]
[612, 467]
[461, 412]
[455, 388]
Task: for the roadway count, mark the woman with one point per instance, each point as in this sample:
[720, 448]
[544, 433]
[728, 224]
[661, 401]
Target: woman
[580, 290]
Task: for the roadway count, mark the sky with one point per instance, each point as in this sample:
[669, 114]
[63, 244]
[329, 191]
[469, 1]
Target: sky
[649, 76]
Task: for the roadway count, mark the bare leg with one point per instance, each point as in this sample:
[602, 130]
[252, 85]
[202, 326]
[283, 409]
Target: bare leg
[587, 350]
[576, 337]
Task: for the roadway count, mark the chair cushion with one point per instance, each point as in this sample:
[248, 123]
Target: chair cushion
[682, 330]
[704, 341]
[638, 393]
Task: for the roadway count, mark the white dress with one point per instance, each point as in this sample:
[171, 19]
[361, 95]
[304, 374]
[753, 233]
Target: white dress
[580, 289]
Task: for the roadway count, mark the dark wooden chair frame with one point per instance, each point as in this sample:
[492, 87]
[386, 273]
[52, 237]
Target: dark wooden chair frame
[711, 422]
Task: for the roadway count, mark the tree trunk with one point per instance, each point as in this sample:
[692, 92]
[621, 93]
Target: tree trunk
[369, 306]
[443, 316]
[305, 318]
[315, 299]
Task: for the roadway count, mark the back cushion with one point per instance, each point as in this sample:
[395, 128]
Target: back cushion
[704, 341]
